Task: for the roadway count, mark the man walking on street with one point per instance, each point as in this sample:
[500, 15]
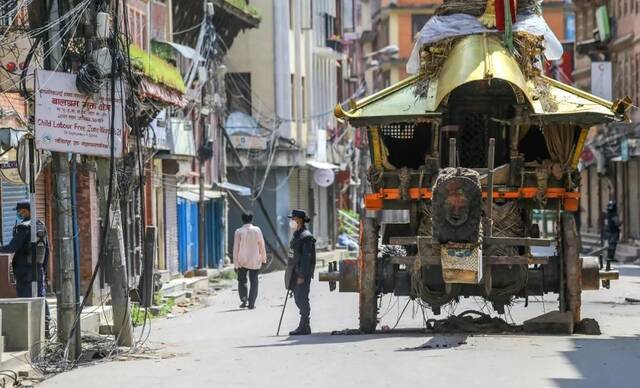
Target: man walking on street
[300, 268]
[248, 256]
[20, 246]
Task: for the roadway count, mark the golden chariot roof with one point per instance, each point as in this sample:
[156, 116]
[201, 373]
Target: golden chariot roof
[476, 58]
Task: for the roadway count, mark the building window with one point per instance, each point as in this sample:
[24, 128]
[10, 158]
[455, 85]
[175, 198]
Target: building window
[238, 87]
[417, 22]
[137, 26]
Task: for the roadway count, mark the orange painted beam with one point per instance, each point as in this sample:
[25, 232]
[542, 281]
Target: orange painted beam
[375, 201]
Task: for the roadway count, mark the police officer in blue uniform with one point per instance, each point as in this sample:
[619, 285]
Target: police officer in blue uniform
[20, 246]
[300, 268]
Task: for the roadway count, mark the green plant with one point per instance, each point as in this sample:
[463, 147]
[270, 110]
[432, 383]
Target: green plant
[228, 275]
[138, 313]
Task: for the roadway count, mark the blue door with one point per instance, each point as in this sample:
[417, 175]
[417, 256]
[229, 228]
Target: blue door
[187, 234]
[214, 233]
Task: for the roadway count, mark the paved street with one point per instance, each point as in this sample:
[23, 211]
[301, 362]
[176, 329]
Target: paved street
[221, 346]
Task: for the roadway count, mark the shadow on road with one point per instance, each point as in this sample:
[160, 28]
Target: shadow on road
[328, 338]
[233, 310]
[604, 362]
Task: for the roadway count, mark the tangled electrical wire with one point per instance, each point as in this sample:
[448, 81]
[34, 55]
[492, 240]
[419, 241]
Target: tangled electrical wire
[89, 79]
[13, 377]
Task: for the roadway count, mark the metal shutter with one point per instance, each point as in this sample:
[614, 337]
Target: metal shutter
[41, 197]
[170, 183]
[11, 193]
[299, 190]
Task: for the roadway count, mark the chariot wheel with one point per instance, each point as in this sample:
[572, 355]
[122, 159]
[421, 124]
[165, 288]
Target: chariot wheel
[367, 283]
[572, 266]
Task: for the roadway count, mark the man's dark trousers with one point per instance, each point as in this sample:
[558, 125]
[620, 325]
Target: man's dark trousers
[301, 296]
[242, 285]
[23, 284]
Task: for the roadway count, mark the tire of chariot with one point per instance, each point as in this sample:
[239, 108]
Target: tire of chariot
[367, 284]
[572, 265]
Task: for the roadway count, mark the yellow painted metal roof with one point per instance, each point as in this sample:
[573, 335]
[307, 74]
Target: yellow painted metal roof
[480, 58]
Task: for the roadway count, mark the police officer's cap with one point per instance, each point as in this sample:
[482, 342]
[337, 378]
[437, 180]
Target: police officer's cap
[23, 204]
[297, 213]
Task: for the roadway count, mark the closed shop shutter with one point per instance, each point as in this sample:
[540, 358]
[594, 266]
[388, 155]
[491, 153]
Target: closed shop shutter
[299, 190]
[171, 222]
[11, 193]
[41, 197]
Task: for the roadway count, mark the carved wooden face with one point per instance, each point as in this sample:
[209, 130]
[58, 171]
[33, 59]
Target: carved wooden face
[457, 203]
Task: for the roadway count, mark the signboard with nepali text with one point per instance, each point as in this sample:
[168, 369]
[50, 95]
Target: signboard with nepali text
[69, 121]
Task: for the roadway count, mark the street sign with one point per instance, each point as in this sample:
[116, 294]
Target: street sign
[603, 23]
[601, 80]
[69, 121]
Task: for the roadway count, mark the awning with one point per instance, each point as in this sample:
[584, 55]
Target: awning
[241, 190]
[189, 195]
[322, 165]
[194, 195]
[161, 93]
[185, 51]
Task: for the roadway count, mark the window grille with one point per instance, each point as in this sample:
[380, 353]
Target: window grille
[399, 131]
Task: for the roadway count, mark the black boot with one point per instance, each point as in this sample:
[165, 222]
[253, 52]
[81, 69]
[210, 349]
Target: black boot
[244, 303]
[303, 328]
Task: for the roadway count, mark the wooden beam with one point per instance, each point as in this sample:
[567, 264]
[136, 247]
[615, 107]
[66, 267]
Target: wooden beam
[491, 260]
[504, 241]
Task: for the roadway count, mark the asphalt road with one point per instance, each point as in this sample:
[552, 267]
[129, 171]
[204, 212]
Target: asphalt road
[222, 346]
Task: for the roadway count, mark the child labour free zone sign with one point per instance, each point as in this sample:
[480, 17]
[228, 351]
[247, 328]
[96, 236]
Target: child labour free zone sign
[69, 121]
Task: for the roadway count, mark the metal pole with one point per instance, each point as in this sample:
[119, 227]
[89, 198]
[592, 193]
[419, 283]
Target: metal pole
[31, 178]
[66, 310]
[201, 209]
[490, 162]
[296, 12]
[76, 249]
[452, 152]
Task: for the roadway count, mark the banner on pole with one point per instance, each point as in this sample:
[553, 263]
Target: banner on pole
[69, 121]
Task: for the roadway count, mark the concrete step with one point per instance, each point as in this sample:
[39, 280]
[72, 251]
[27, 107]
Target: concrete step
[177, 296]
[165, 276]
[197, 283]
[175, 285]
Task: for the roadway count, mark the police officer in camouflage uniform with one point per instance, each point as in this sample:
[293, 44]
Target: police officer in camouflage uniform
[20, 246]
[612, 231]
[300, 268]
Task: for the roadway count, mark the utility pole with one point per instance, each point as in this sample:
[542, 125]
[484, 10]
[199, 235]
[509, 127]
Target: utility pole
[296, 12]
[202, 206]
[112, 244]
[66, 311]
